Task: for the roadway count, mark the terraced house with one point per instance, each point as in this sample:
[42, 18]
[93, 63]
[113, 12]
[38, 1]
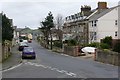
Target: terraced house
[93, 25]
[76, 26]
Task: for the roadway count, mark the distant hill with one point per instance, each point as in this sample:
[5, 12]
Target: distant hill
[27, 30]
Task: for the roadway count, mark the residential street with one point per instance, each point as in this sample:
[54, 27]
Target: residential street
[49, 64]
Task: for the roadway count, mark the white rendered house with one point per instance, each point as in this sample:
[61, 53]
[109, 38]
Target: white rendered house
[104, 23]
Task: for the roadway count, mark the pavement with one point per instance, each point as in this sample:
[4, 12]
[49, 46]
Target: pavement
[13, 60]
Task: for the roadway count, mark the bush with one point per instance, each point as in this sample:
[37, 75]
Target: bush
[94, 44]
[104, 46]
[58, 44]
[107, 40]
[117, 48]
[72, 42]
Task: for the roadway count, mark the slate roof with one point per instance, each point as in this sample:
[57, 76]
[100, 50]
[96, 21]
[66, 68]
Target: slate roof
[101, 13]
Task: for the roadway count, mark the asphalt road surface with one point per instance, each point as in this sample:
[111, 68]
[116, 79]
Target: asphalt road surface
[49, 64]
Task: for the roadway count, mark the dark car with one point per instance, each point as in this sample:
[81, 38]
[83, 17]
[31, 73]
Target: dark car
[28, 52]
[22, 45]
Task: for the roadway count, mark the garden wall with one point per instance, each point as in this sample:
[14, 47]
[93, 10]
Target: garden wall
[109, 57]
[71, 50]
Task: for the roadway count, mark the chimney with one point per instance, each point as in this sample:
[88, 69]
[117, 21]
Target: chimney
[86, 10]
[102, 5]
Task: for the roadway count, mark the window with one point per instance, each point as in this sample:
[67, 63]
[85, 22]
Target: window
[95, 23]
[116, 33]
[116, 22]
[92, 23]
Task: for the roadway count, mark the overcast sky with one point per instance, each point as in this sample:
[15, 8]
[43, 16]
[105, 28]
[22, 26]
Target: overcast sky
[31, 12]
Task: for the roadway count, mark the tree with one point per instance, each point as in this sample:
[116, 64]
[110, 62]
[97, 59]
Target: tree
[59, 21]
[7, 29]
[47, 24]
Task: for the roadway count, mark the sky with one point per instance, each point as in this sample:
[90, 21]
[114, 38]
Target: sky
[31, 12]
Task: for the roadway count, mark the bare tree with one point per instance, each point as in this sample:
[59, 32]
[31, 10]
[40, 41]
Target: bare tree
[59, 24]
[59, 21]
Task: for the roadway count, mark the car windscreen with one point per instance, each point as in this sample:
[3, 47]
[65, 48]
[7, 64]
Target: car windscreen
[28, 50]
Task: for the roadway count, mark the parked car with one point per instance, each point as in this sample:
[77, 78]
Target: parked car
[22, 45]
[28, 52]
[25, 41]
[30, 40]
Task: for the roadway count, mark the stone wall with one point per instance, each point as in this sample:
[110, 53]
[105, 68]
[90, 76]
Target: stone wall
[71, 50]
[6, 50]
[107, 56]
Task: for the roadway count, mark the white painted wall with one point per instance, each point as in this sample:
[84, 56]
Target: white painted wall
[106, 26]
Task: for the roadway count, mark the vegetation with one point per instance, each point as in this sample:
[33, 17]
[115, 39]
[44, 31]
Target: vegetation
[58, 44]
[46, 27]
[99, 45]
[117, 47]
[72, 42]
[108, 41]
[7, 29]
[94, 44]
[104, 46]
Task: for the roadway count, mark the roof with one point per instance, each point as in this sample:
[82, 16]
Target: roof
[101, 13]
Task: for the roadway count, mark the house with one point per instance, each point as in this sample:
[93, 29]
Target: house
[76, 26]
[104, 22]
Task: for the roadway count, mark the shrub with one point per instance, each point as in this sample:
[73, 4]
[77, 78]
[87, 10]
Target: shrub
[58, 44]
[94, 44]
[107, 40]
[72, 42]
[104, 46]
[117, 48]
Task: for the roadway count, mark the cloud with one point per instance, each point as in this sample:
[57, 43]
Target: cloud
[29, 13]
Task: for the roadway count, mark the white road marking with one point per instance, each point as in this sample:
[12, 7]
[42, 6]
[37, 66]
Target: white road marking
[53, 69]
[12, 67]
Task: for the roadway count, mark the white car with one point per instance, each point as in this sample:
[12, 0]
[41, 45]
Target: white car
[26, 41]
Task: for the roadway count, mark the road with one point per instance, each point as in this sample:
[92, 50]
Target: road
[49, 64]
